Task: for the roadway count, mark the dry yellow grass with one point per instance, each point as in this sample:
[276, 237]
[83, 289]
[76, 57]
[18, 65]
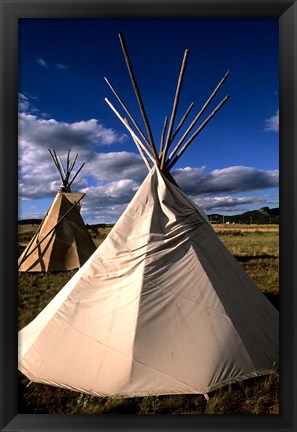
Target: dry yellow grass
[246, 227]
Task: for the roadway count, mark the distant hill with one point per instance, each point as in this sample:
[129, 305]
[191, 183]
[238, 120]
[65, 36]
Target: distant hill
[264, 215]
[29, 221]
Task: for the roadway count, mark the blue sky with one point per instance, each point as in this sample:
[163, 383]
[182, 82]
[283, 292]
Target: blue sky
[231, 167]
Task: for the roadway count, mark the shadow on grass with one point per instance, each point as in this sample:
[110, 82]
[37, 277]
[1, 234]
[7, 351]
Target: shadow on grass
[247, 258]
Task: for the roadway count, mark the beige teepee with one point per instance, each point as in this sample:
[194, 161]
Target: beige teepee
[160, 308]
[62, 241]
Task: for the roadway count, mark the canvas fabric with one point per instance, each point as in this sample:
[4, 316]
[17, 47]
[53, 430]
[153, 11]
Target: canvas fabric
[161, 307]
[67, 247]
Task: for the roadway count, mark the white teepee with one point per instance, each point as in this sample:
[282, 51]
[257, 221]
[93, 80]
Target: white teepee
[161, 307]
[62, 241]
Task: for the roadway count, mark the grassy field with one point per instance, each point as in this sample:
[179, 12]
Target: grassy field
[257, 250]
[256, 247]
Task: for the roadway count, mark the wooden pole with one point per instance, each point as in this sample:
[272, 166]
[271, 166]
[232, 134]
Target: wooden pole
[70, 171]
[139, 148]
[63, 169]
[182, 121]
[70, 183]
[131, 131]
[55, 162]
[139, 99]
[73, 163]
[68, 167]
[162, 136]
[68, 154]
[59, 166]
[185, 146]
[174, 108]
[198, 115]
[54, 157]
[127, 111]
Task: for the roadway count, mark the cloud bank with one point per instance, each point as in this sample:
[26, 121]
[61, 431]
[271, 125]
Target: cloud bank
[110, 179]
[232, 180]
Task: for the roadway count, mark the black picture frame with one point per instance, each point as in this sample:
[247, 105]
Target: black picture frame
[286, 13]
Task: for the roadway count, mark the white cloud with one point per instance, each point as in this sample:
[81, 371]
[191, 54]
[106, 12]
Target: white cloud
[236, 179]
[61, 66]
[41, 133]
[42, 62]
[118, 192]
[24, 103]
[39, 178]
[116, 166]
[272, 123]
[27, 104]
